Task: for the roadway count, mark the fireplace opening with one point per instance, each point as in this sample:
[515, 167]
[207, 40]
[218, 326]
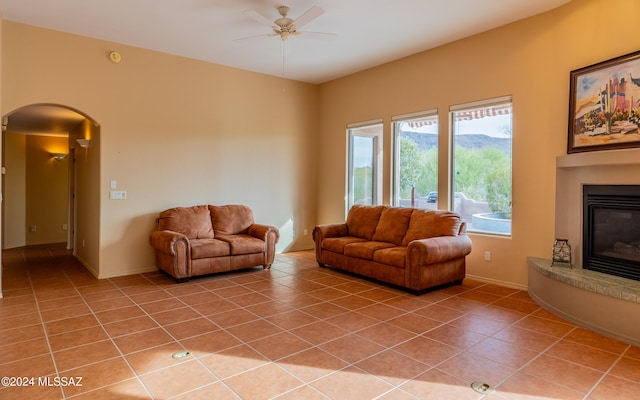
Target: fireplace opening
[611, 229]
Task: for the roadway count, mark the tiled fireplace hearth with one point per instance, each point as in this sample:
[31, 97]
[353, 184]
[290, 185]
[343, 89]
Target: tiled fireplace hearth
[602, 302]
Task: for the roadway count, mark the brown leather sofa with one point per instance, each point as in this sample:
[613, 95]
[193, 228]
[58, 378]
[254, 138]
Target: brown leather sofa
[206, 239]
[412, 248]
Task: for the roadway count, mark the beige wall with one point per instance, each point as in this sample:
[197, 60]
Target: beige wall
[14, 204]
[46, 189]
[529, 60]
[87, 199]
[173, 132]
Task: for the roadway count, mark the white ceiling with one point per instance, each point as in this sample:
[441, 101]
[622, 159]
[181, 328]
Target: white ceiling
[367, 32]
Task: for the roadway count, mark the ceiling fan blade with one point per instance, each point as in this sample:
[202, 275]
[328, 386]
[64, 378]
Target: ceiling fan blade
[252, 37]
[318, 35]
[309, 15]
[258, 18]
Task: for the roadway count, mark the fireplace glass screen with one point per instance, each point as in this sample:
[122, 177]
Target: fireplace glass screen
[612, 229]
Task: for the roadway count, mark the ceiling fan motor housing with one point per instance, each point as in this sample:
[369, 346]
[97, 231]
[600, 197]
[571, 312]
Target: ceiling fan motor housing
[284, 26]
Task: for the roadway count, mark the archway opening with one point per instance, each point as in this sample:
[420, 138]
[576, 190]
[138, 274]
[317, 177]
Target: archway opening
[50, 179]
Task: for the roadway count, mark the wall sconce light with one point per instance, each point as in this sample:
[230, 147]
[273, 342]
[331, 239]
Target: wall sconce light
[84, 143]
[58, 156]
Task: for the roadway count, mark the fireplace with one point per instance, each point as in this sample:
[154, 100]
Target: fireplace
[611, 230]
[607, 304]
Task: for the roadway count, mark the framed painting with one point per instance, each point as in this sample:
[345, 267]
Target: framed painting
[604, 105]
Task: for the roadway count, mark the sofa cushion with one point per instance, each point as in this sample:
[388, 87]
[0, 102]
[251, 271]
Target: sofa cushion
[207, 248]
[431, 223]
[393, 225]
[395, 256]
[337, 244]
[193, 222]
[231, 219]
[243, 244]
[365, 249]
[362, 220]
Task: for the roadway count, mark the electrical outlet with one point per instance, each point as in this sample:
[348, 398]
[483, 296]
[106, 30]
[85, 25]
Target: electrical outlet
[64, 227]
[487, 256]
[33, 228]
[305, 232]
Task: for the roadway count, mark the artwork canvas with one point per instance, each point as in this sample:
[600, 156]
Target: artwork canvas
[604, 105]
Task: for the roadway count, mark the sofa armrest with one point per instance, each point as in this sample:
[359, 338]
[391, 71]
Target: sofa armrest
[329, 230]
[438, 249]
[173, 253]
[271, 236]
[321, 232]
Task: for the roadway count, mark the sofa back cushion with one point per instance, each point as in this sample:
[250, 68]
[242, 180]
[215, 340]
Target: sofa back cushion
[194, 222]
[431, 223]
[362, 220]
[393, 225]
[231, 219]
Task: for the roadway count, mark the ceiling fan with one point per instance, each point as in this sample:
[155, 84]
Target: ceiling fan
[284, 27]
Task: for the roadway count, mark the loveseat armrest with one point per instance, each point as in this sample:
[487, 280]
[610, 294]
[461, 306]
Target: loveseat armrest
[165, 241]
[438, 249]
[173, 253]
[262, 232]
[270, 235]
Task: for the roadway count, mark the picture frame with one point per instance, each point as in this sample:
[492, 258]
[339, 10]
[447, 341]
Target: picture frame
[604, 105]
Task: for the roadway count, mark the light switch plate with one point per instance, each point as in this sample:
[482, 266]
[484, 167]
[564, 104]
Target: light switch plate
[118, 195]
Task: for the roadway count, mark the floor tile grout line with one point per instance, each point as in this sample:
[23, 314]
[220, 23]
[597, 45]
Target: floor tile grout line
[470, 312]
[607, 372]
[276, 362]
[416, 335]
[538, 353]
[122, 356]
[44, 331]
[179, 341]
[485, 338]
[247, 344]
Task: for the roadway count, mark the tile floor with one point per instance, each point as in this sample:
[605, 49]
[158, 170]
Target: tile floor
[296, 331]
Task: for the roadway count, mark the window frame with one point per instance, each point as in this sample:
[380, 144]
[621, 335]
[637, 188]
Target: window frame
[395, 172]
[377, 137]
[475, 106]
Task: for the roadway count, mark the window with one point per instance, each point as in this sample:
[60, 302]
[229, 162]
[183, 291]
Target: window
[481, 175]
[415, 167]
[364, 163]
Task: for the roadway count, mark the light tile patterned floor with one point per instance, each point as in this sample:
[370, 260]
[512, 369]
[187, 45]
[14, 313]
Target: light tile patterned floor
[295, 331]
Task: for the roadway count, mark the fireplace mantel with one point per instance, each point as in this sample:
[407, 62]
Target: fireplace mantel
[599, 158]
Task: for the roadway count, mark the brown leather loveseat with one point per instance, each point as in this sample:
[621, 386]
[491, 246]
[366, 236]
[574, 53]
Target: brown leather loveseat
[206, 239]
[412, 248]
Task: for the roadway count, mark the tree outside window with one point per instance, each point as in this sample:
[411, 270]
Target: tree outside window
[481, 175]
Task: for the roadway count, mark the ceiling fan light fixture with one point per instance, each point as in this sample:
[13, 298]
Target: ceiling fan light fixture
[285, 26]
